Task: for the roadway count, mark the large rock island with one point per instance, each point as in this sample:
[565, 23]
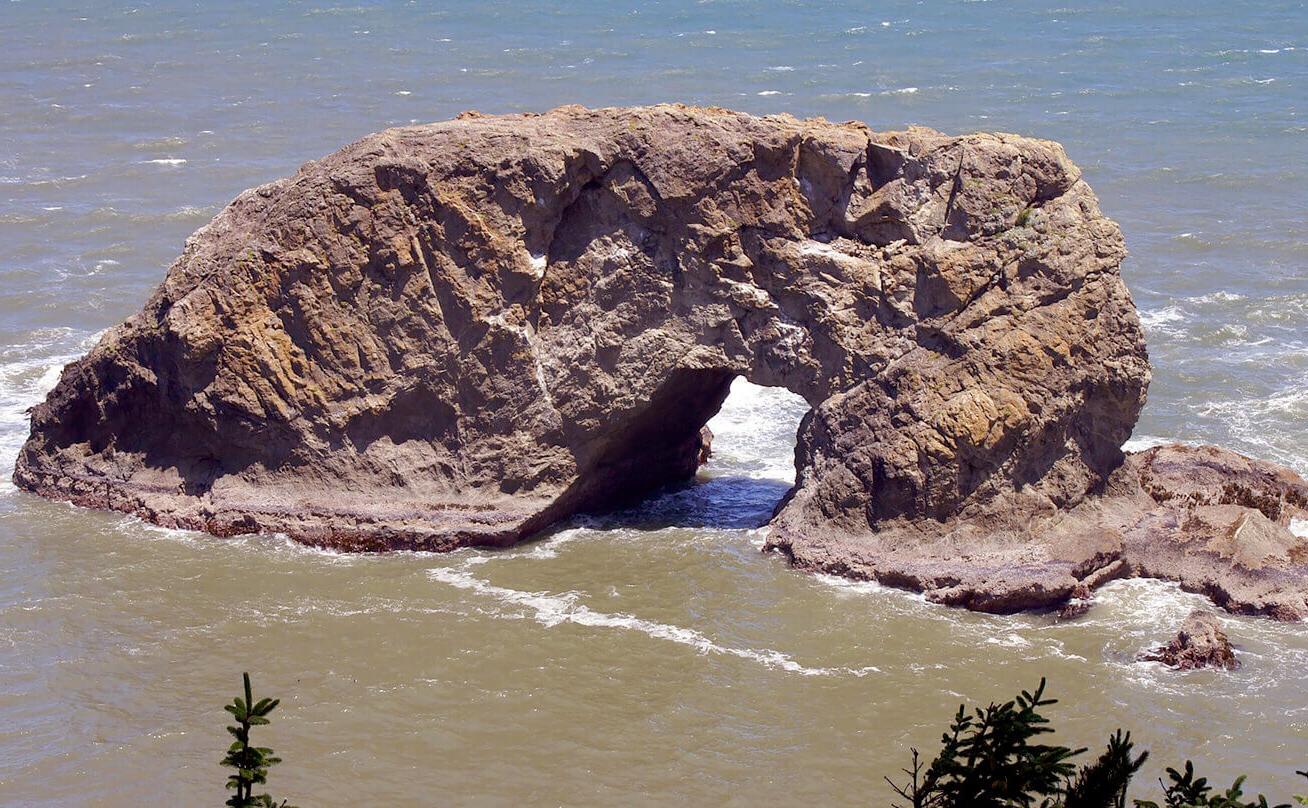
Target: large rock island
[459, 333]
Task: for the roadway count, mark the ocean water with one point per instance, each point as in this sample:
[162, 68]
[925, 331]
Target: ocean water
[655, 655]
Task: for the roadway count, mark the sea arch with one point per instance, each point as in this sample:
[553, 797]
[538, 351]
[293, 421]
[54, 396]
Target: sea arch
[459, 333]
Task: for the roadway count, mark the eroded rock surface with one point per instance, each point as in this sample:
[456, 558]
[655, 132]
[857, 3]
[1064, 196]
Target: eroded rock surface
[459, 333]
[1214, 521]
[1200, 643]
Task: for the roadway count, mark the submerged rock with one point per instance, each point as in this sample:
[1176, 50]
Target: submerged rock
[459, 333]
[1201, 643]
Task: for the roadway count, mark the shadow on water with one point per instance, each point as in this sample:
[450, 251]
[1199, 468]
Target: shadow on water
[729, 502]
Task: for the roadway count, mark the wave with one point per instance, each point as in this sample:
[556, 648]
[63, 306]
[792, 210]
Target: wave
[1265, 424]
[1138, 443]
[28, 372]
[43, 181]
[754, 432]
[1139, 614]
[1159, 319]
[551, 610]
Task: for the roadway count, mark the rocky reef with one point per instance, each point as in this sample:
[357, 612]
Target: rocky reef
[459, 333]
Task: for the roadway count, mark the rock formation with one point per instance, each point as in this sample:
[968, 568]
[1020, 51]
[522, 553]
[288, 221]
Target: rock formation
[1214, 521]
[1201, 643]
[459, 333]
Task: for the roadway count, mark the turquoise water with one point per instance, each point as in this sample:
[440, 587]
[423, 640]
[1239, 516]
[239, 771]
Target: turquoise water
[125, 127]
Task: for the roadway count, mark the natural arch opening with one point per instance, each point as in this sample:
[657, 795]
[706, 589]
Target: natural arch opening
[749, 470]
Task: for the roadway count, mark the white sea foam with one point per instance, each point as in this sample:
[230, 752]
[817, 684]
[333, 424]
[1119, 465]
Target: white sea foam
[1149, 605]
[1009, 640]
[845, 586]
[184, 212]
[552, 610]
[1220, 296]
[269, 545]
[1159, 319]
[1023, 632]
[41, 182]
[27, 373]
[545, 548]
[1142, 613]
[1262, 423]
[754, 432]
[139, 528]
[538, 263]
[167, 161]
[1138, 443]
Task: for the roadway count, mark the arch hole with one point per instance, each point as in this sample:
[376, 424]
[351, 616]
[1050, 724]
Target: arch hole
[750, 470]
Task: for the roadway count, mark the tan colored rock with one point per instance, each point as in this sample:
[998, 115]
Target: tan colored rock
[1218, 523]
[459, 333]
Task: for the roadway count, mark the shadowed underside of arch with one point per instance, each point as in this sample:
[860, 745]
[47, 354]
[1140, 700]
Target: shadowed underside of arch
[456, 334]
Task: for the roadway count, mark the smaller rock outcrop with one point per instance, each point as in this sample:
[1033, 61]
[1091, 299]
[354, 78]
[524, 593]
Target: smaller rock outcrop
[1201, 643]
[1214, 521]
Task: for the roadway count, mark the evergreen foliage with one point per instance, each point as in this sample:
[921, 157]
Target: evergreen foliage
[250, 762]
[1103, 784]
[990, 758]
[1188, 791]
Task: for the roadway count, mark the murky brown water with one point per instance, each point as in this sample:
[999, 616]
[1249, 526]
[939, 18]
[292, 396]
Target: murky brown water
[651, 657]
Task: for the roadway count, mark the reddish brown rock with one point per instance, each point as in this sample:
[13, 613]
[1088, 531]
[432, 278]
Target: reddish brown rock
[456, 334]
[1201, 643]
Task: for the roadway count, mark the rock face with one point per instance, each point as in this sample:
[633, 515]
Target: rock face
[1201, 643]
[456, 334]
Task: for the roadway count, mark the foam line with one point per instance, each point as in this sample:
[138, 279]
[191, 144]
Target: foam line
[551, 610]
